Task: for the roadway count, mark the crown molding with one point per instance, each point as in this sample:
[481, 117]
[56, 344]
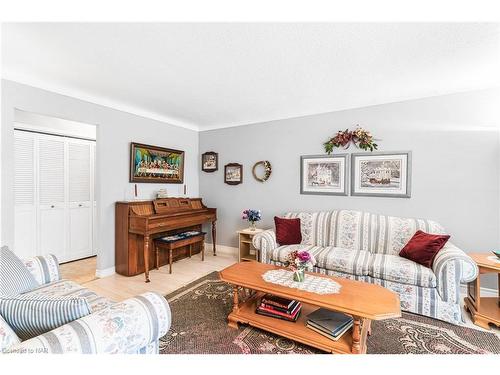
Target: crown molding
[94, 99]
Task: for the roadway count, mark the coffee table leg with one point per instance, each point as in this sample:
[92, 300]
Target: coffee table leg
[232, 322]
[356, 335]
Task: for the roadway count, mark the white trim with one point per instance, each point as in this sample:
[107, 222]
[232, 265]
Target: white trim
[485, 292]
[221, 249]
[105, 102]
[105, 272]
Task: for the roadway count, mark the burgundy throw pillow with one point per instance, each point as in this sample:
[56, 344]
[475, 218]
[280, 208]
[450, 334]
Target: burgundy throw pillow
[423, 247]
[287, 231]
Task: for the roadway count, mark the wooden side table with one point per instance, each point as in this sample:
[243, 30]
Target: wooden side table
[484, 310]
[247, 252]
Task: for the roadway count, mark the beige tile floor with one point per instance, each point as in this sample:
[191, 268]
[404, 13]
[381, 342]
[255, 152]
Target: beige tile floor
[117, 287]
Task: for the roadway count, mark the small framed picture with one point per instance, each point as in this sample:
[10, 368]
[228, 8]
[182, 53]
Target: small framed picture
[324, 174]
[381, 174]
[209, 161]
[233, 174]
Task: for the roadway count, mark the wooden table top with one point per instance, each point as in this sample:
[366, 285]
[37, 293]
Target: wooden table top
[355, 297]
[482, 260]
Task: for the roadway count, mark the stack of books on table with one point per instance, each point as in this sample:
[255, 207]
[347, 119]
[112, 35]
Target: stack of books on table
[281, 308]
[328, 323]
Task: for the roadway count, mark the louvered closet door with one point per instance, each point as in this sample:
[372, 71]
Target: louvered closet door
[80, 199]
[52, 208]
[25, 230]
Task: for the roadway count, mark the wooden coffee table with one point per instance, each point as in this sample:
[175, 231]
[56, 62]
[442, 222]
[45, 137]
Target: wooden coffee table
[364, 301]
[483, 310]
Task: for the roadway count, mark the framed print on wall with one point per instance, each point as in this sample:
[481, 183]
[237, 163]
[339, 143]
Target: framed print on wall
[381, 174]
[209, 161]
[156, 164]
[233, 174]
[324, 174]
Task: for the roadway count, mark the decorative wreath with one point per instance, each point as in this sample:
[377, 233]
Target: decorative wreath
[267, 170]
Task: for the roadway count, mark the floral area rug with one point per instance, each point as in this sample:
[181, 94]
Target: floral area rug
[199, 326]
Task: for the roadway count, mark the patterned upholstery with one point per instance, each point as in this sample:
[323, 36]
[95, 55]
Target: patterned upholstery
[365, 246]
[14, 276]
[45, 269]
[402, 270]
[68, 288]
[132, 326]
[330, 258]
[30, 316]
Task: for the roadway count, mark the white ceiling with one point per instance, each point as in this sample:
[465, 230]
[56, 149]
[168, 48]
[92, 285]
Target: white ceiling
[206, 76]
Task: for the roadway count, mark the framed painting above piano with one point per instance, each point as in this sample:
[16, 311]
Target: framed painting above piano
[139, 223]
[156, 164]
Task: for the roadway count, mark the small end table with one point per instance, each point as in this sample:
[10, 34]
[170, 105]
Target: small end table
[484, 310]
[247, 252]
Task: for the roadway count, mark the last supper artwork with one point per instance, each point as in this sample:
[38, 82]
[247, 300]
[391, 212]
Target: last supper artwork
[156, 164]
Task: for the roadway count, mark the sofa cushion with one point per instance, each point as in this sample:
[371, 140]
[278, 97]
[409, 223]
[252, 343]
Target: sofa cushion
[287, 231]
[68, 288]
[31, 316]
[332, 258]
[401, 270]
[15, 277]
[44, 268]
[8, 337]
[423, 247]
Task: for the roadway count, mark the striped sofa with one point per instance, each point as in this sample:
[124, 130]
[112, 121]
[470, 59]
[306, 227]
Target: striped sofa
[365, 246]
[133, 326]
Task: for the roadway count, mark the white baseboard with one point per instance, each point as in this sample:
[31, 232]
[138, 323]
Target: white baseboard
[485, 292]
[105, 272]
[221, 249]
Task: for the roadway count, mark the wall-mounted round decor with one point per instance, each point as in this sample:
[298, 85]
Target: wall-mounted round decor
[262, 170]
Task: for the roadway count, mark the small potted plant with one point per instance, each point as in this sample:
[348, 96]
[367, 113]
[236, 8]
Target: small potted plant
[252, 216]
[298, 262]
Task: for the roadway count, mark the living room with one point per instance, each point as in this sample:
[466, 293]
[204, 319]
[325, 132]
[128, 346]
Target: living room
[241, 188]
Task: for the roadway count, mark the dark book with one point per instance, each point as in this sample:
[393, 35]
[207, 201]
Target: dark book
[279, 317]
[291, 310]
[279, 313]
[327, 335]
[284, 303]
[329, 321]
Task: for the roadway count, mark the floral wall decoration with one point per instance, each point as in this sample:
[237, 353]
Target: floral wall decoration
[360, 137]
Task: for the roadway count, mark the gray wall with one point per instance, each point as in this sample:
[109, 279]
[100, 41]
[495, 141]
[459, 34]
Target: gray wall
[115, 131]
[455, 178]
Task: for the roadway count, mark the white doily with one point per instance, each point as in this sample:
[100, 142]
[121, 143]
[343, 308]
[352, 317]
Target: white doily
[314, 284]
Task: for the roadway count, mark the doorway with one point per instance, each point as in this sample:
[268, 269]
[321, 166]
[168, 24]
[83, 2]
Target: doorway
[54, 189]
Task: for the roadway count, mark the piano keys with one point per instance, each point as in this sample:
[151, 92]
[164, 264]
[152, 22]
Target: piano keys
[138, 223]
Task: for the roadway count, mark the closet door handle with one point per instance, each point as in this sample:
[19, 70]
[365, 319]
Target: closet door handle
[52, 206]
[80, 205]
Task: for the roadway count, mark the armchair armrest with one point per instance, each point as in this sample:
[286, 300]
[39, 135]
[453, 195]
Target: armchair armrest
[265, 242]
[44, 268]
[125, 327]
[453, 266]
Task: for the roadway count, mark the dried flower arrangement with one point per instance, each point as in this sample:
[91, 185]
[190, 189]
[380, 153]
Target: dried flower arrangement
[359, 137]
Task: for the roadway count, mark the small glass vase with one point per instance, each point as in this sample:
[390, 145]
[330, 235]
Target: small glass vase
[252, 225]
[299, 275]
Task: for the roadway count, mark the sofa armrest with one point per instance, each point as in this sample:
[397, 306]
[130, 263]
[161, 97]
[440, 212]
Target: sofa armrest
[453, 266]
[265, 242]
[44, 268]
[125, 327]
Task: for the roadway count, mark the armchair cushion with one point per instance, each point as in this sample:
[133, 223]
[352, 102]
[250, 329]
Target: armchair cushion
[30, 316]
[14, 277]
[126, 327]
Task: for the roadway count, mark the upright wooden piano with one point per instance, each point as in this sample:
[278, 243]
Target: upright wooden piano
[138, 223]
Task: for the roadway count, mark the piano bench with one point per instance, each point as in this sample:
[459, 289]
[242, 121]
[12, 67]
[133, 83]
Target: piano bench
[171, 243]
